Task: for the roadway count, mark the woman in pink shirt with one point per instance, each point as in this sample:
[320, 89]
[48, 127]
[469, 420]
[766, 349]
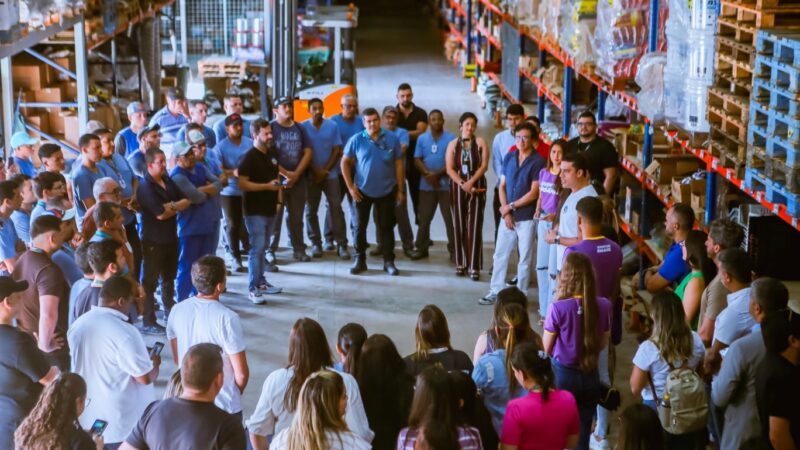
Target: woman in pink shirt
[546, 418]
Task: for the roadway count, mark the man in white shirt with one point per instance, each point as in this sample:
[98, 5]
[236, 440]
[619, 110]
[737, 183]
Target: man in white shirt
[502, 142]
[203, 319]
[575, 177]
[735, 321]
[110, 354]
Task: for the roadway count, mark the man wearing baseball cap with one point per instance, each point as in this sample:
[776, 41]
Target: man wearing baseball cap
[232, 104]
[172, 117]
[196, 224]
[127, 140]
[198, 113]
[231, 150]
[148, 137]
[210, 161]
[24, 156]
[23, 367]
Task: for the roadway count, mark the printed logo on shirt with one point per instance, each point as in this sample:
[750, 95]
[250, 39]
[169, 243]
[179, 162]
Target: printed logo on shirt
[548, 188]
[604, 248]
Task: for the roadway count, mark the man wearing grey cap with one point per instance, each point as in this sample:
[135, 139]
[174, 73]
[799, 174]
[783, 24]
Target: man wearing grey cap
[294, 155]
[172, 117]
[127, 140]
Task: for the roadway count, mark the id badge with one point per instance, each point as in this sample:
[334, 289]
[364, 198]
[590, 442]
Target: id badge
[122, 184]
[465, 169]
[434, 148]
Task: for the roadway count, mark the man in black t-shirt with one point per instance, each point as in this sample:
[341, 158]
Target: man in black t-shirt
[415, 120]
[191, 420]
[260, 185]
[600, 153]
[778, 380]
[23, 367]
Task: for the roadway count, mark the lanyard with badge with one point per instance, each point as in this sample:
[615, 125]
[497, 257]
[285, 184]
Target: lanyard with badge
[381, 143]
[466, 156]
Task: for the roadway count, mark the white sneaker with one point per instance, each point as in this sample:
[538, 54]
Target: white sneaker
[257, 298]
[598, 444]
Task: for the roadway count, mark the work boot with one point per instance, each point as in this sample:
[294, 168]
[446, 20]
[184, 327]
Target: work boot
[389, 267]
[359, 265]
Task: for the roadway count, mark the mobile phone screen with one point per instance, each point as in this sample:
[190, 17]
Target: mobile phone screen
[156, 350]
[98, 427]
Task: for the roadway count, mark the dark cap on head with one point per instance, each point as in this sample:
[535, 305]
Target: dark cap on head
[232, 119]
[175, 94]
[147, 129]
[8, 286]
[283, 100]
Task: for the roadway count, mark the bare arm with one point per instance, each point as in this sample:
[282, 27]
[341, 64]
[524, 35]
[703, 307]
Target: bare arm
[347, 174]
[655, 283]
[450, 165]
[335, 154]
[639, 380]
[706, 330]
[48, 318]
[400, 175]
[249, 186]
[780, 435]
[150, 377]
[51, 375]
[480, 348]
[548, 341]
[421, 128]
[173, 208]
[484, 160]
[241, 371]
[572, 441]
[89, 202]
[9, 263]
[691, 299]
[258, 442]
[611, 175]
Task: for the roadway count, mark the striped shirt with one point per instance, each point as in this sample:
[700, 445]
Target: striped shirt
[469, 438]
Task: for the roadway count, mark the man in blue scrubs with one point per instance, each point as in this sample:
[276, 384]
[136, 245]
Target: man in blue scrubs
[434, 186]
[196, 224]
[87, 173]
[127, 140]
[349, 124]
[326, 145]
[198, 113]
[372, 167]
[172, 117]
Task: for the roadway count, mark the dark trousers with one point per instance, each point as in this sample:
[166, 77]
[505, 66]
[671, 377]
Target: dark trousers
[350, 207]
[235, 231]
[428, 200]
[294, 201]
[191, 249]
[585, 387]
[496, 210]
[59, 358]
[413, 177]
[136, 246]
[160, 261]
[385, 207]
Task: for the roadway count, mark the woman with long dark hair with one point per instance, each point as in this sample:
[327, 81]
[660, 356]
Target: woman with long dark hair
[433, 344]
[673, 343]
[472, 410]
[386, 388]
[545, 418]
[319, 423]
[546, 209]
[640, 429]
[575, 332]
[435, 402]
[467, 161]
[308, 353]
[493, 374]
[348, 347]
[703, 271]
[53, 422]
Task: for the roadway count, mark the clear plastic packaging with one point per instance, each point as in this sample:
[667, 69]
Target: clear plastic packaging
[550, 16]
[701, 55]
[696, 111]
[578, 22]
[650, 77]
[674, 98]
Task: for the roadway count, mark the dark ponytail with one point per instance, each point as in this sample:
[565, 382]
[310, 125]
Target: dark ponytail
[351, 338]
[535, 364]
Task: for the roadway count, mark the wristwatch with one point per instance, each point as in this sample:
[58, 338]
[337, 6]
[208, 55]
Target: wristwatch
[512, 206]
[558, 240]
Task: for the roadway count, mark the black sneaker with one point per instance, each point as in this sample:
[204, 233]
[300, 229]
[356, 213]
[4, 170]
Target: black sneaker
[328, 247]
[488, 299]
[512, 282]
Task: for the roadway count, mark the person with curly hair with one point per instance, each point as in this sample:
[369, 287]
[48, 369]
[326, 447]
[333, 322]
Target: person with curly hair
[53, 422]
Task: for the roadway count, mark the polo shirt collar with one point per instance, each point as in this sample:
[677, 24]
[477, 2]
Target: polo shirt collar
[742, 294]
[110, 311]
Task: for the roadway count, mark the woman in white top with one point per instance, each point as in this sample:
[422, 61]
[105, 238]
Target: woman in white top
[671, 342]
[319, 423]
[308, 353]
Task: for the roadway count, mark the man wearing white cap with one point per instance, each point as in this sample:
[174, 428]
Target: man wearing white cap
[210, 161]
[22, 143]
[127, 140]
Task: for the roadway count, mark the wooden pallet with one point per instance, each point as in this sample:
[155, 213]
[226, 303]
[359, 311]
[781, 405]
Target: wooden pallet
[730, 126]
[757, 158]
[731, 152]
[731, 105]
[741, 21]
[762, 4]
[734, 66]
[222, 68]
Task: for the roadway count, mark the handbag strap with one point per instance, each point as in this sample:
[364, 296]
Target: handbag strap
[652, 387]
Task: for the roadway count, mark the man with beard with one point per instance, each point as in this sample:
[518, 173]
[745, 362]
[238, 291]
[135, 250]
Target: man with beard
[259, 182]
[326, 146]
[415, 120]
[232, 104]
[599, 153]
[198, 112]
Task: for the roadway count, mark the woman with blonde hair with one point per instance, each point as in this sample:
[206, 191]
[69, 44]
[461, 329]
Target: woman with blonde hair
[53, 422]
[319, 421]
[575, 332]
[433, 345]
[493, 373]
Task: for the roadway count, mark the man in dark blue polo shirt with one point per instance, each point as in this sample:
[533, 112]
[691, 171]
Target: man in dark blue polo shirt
[519, 190]
[377, 160]
[160, 201]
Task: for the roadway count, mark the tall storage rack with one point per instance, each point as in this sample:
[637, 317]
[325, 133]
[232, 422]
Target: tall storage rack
[470, 39]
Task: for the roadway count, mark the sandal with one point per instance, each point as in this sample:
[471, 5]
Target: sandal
[474, 275]
[460, 271]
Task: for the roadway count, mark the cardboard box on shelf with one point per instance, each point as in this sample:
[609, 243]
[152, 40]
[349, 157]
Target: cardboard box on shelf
[664, 168]
[698, 201]
[682, 192]
[39, 119]
[107, 115]
[70, 90]
[28, 73]
[71, 133]
[699, 215]
[50, 94]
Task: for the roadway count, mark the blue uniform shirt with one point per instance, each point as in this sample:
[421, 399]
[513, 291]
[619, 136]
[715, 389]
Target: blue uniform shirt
[323, 140]
[500, 145]
[230, 155]
[25, 166]
[401, 134]
[674, 268]
[64, 258]
[290, 143]
[8, 239]
[37, 211]
[375, 174]
[432, 152]
[202, 216]
[123, 174]
[208, 133]
[22, 224]
[82, 184]
[137, 163]
[348, 129]
[221, 133]
[519, 179]
[170, 124]
[129, 139]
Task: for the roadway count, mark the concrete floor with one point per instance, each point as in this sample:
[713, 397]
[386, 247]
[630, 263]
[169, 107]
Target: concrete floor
[396, 43]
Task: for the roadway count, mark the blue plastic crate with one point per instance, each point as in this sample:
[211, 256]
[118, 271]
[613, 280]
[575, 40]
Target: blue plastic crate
[755, 180]
[757, 136]
[784, 128]
[780, 100]
[780, 45]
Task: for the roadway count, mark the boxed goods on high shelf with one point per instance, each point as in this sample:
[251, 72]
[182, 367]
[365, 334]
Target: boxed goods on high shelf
[773, 135]
[578, 19]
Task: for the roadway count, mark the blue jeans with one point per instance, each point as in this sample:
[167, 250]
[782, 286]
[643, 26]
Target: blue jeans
[542, 263]
[260, 229]
[191, 249]
[585, 387]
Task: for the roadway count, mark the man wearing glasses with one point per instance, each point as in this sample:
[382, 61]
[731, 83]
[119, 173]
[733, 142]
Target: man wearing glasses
[599, 153]
[518, 190]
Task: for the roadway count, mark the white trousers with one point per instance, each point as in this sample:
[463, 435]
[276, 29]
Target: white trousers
[522, 237]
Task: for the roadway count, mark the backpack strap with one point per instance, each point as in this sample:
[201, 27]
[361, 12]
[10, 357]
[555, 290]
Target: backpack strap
[652, 387]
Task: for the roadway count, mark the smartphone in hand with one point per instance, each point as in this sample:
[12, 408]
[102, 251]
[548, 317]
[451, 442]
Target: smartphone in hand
[98, 427]
[156, 350]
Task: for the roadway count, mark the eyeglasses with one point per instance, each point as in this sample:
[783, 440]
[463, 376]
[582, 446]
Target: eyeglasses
[585, 124]
[522, 138]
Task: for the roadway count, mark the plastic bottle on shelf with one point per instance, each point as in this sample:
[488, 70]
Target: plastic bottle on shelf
[701, 55]
[696, 110]
[704, 15]
[674, 97]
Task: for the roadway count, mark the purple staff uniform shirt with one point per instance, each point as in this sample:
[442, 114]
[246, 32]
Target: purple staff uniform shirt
[565, 320]
[547, 191]
[606, 258]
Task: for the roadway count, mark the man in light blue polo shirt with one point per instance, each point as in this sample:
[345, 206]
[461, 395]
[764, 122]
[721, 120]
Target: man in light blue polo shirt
[434, 186]
[519, 190]
[22, 143]
[377, 161]
[10, 244]
[148, 137]
[127, 140]
[232, 104]
[326, 146]
[198, 112]
[349, 124]
[89, 171]
[172, 117]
